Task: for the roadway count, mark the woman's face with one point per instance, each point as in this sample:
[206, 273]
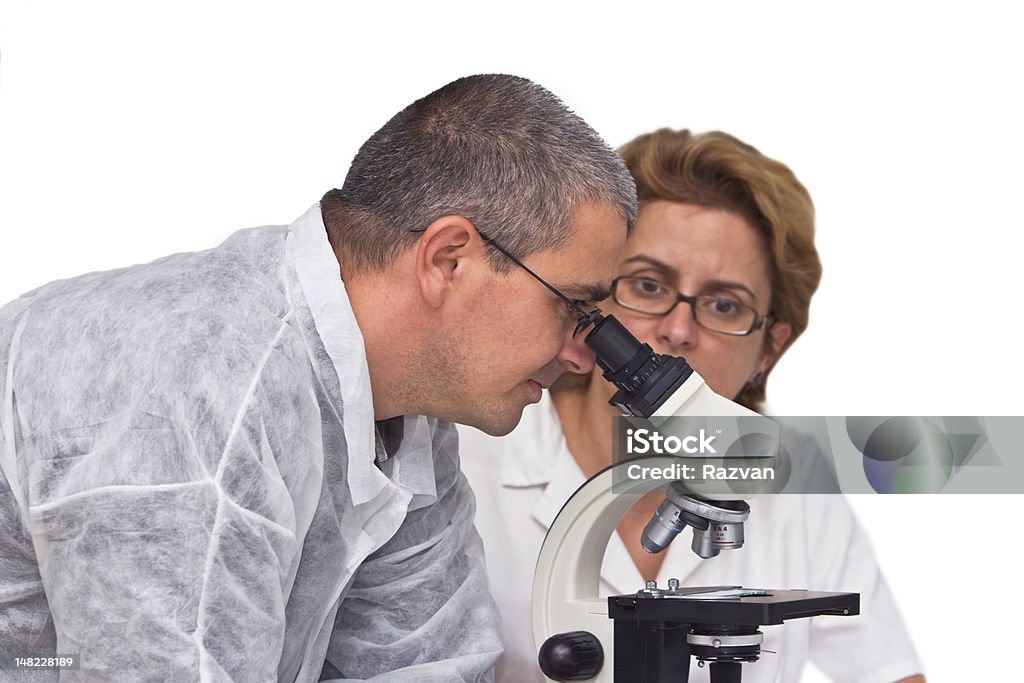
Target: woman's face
[698, 252]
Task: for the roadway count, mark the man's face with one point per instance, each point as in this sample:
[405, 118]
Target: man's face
[516, 338]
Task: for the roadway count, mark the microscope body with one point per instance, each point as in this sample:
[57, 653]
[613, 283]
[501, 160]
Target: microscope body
[567, 578]
[650, 636]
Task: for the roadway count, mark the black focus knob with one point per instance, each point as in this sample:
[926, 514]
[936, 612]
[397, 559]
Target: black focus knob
[573, 656]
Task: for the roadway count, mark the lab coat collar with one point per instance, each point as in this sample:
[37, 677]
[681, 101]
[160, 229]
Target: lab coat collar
[411, 467]
[530, 460]
[536, 454]
[320, 277]
[565, 477]
[527, 457]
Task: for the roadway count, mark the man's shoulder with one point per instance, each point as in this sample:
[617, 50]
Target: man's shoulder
[180, 325]
[175, 292]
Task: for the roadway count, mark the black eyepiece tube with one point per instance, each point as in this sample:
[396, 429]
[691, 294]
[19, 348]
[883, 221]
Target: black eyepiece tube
[644, 379]
[613, 344]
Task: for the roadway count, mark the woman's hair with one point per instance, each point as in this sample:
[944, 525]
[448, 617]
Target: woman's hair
[716, 171]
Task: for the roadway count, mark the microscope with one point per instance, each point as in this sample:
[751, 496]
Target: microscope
[649, 636]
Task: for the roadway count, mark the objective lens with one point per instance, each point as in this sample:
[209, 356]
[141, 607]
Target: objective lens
[717, 537]
[663, 528]
[716, 524]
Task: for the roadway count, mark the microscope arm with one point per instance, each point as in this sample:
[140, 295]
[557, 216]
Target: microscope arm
[567, 580]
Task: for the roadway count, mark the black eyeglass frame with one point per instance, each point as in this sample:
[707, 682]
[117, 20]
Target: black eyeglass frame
[758, 322]
[583, 318]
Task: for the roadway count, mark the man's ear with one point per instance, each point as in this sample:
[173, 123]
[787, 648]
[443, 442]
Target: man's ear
[442, 254]
[775, 341]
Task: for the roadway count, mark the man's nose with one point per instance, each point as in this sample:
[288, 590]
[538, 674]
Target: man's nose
[575, 355]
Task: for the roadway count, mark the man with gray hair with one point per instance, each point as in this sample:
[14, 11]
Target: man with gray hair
[238, 464]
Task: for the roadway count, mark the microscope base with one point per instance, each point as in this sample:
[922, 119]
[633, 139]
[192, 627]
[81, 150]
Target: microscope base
[655, 636]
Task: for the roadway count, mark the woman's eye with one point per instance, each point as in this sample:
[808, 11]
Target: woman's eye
[648, 287]
[724, 307]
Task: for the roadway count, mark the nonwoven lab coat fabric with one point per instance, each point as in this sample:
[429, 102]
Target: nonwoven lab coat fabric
[188, 488]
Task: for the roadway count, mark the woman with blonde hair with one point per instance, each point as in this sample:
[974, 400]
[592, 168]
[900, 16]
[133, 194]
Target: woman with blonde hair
[720, 269]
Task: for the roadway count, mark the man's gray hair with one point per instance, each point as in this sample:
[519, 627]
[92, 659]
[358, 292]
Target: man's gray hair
[499, 150]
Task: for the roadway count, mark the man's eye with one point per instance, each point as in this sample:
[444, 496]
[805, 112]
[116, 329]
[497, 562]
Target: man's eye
[574, 306]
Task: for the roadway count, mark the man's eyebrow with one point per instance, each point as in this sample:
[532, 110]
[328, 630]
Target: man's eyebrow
[589, 292]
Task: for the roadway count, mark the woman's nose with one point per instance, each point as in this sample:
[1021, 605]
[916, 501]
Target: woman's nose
[678, 329]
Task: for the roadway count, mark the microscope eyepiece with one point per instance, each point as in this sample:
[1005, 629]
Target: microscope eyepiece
[614, 345]
[644, 379]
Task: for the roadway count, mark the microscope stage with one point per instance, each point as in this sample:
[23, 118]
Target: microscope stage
[731, 605]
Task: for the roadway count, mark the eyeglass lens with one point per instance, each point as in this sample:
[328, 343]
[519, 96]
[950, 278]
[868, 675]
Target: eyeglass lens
[715, 313]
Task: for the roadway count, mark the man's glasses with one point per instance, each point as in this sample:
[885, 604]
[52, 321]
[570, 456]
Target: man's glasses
[718, 314]
[583, 318]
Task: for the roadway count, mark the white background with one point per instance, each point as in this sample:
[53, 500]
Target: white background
[131, 130]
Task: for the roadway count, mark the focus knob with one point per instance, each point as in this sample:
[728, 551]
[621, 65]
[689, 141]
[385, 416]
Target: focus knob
[573, 656]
